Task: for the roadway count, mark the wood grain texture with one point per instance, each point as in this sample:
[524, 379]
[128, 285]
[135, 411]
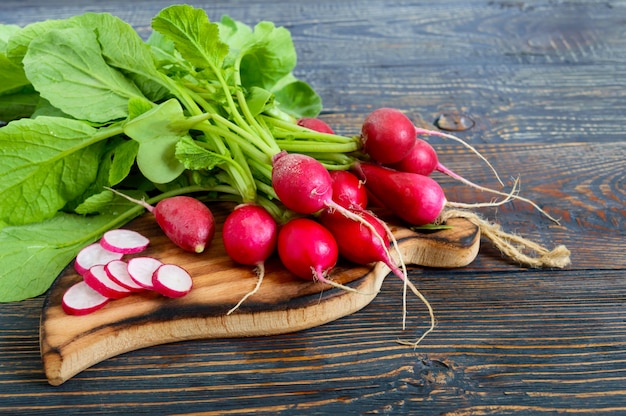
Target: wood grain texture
[544, 82]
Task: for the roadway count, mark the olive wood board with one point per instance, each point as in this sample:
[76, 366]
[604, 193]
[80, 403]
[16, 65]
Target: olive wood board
[284, 303]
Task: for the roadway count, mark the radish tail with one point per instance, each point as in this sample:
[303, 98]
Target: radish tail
[464, 143]
[141, 202]
[511, 195]
[260, 275]
[319, 275]
[443, 169]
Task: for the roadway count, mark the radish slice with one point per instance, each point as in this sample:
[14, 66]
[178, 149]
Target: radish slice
[141, 269]
[117, 270]
[124, 241]
[97, 279]
[172, 281]
[80, 299]
[93, 254]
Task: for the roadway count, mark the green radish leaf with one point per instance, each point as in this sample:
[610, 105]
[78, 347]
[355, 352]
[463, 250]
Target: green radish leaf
[123, 48]
[124, 156]
[19, 104]
[67, 68]
[298, 99]
[196, 38]
[156, 155]
[259, 100]
[46, 162]
[95, 203]
[158, 162]
[33, 255]
[19, 42]
[268, 57]
[12, 77]
[196, 157]
[236, 34]
[6, 31]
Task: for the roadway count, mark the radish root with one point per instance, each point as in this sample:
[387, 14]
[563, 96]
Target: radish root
[464, 143]
[512, 245]
[260, 270]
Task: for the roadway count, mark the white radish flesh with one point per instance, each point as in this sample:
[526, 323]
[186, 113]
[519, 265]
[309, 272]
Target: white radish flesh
[124, 241]
[98, 279]
[172, 281]
[94, 254]
[117, 270]
[80, 299]
[141, 270]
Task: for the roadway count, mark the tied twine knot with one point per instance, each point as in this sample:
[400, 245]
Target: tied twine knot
[512, 245]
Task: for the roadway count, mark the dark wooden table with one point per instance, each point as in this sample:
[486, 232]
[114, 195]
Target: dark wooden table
[545, 84]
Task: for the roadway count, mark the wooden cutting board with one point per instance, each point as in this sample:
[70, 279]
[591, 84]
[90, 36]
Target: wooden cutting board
[284, 303]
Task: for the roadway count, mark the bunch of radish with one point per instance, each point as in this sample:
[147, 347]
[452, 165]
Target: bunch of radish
[107, 275]
[329, 218]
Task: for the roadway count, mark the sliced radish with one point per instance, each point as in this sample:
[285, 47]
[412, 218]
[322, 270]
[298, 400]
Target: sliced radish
[141, 270]
[124, 241]
[117, 270]
[172, 281]
[98, 279]
[80, 299]
[94, 254]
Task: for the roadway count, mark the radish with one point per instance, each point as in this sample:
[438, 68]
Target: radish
[387, 135]
[98, 279]
[141, 270]
[315, 124]
[417, 199]
[93, 254]
[348, 190]
[80, 299]
[117, 270]
[186, 221]
[172, 281]
[249, 235]
[421, 159]
[307, 249]
[303, 184]
[124, 241]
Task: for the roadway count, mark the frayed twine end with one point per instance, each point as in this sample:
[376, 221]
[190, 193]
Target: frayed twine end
[512, 245]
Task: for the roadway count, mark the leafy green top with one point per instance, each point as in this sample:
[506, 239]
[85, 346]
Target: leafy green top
[199, 106]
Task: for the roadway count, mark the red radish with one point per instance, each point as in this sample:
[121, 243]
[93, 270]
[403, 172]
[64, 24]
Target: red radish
[249, 235]
[98, 279]
[315, 124]
[417, 199]
[93, 254]
[307, 249]
[387, 135]
[141, 270]
[172, 281]
[348, 190]
[117, 270]
[80, 299]
[124, 241]
[186, 221]
[357, 243]
[303, 184]
[421, 159]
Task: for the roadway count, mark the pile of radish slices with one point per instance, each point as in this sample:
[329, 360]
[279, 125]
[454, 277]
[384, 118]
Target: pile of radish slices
[107, 275]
